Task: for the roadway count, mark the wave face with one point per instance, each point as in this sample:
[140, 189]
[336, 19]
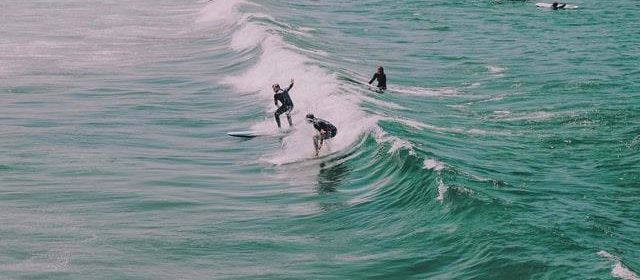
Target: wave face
[316, 90]
[503, 148]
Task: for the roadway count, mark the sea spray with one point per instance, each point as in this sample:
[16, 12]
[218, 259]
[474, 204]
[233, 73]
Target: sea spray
[315, 90]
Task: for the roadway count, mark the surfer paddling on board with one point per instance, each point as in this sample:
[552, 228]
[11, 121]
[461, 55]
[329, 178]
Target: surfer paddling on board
[556, 5]
[381, 77]
[282, 95]
[326, 131]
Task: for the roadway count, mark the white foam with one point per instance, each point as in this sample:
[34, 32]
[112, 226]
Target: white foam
[618, 270]
[221, 11]
[412, 123]
[474, 131]
[482, 132]
[433, 164]
[315, 91]
[382, 103]
[249, 36]
[423, 91]
[497, 97]
[307, 29]
[420, 125]
[495, 70]
[396, 143]
[474, 85]
[442, 189]
[528, 116]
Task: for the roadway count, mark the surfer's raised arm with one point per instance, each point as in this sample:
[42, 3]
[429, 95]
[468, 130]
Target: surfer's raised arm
[275, 99]
[290, 86]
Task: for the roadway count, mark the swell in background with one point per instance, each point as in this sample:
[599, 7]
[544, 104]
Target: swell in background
[486, 159]
[491, 128]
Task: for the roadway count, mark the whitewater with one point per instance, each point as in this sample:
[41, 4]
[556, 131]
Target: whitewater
[506, 146]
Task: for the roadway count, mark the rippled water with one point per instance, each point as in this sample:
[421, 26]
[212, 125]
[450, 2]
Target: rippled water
[505, 148]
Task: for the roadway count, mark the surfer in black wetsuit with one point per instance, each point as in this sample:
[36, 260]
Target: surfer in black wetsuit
[556, 5]
[381, 77]
[326, 131]
[282, 95]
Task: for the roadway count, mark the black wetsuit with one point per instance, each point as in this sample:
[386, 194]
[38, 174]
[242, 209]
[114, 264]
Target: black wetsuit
[330, 129]
[287, 105]
[556, 5]
[382, 80]
[329, 132]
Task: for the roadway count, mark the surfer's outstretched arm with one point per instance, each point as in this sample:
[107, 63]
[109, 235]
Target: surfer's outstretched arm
[290, 86]
[373, 78]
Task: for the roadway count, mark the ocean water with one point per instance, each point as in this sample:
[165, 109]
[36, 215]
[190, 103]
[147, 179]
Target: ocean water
[507, 145]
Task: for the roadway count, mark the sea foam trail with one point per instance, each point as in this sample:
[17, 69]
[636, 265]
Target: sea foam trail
[315, 90]
[495, 70]
[423, 91]
[619, 270]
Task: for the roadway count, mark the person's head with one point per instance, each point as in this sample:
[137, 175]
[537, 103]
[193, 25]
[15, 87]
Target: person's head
[275, 87]
[380, 69]
[554, 4]
[310, 117]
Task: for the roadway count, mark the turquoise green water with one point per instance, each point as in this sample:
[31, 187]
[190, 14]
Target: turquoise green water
[505, 148]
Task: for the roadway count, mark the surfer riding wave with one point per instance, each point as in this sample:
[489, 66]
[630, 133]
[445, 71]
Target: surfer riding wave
[282, 95]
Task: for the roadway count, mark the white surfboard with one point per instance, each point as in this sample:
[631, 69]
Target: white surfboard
[254, 133]
[550, 6]
[245, 134]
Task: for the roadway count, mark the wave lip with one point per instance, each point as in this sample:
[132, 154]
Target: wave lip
[274, 60]
[220, 11]
[433, 164]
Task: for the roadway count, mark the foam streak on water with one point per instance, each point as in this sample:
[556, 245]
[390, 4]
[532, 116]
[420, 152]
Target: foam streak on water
[505, 147]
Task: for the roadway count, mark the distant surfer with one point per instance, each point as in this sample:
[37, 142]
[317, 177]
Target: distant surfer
[282, 95]
[381, 77]
[326, 131]
[556, 5]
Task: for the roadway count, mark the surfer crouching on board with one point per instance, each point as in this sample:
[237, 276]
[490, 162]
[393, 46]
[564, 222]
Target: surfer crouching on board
[326, 131]
[556, 5]
[282, 95]
[381, 77]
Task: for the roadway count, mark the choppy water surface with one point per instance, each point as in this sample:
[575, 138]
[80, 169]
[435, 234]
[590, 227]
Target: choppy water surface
[507, 145]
